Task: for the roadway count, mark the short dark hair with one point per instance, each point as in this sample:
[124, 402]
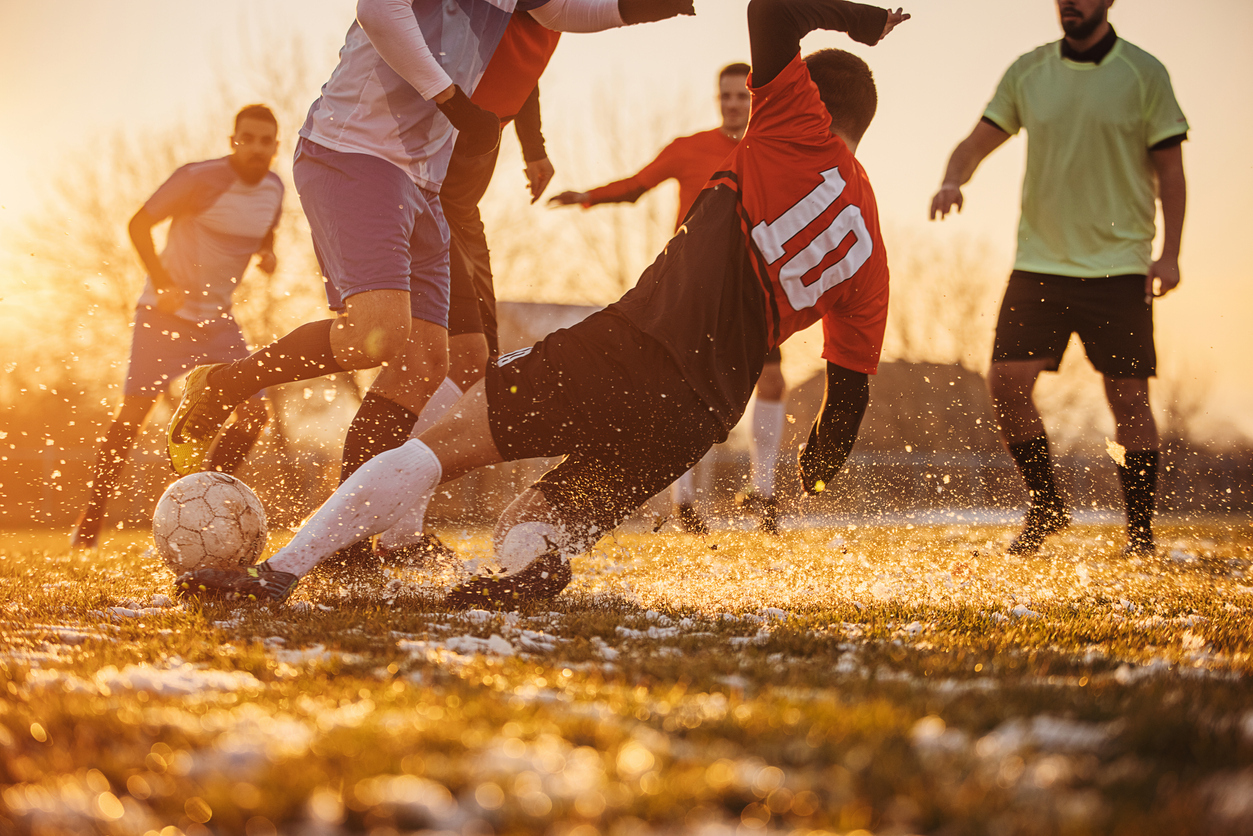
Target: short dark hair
[847, 89]
[738, 68]
[256, 111]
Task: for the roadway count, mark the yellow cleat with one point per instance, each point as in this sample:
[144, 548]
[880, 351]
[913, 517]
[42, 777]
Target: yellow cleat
[197, 421]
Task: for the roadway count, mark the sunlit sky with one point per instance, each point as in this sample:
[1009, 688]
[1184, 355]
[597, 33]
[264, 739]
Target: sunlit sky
[76, 70]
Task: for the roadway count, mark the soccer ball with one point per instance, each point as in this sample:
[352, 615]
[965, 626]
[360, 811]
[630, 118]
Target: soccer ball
[209, 519]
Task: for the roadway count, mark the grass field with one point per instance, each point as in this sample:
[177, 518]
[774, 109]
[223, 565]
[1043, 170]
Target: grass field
[883, 679]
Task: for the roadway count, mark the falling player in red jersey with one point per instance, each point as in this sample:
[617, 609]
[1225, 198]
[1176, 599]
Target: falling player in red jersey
[692, 160]
[785, 236]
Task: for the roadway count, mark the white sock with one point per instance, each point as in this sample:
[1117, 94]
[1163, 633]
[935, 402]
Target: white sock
[445, 396]
[683, 491]
[407, 531]
[372, 500]
[764, 451]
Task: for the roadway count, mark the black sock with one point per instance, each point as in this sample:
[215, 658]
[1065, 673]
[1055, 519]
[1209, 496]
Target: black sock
[379, 425]
[1139, 489]
[233, 445]
[1036, 467]
[109, 461]
[303, 354]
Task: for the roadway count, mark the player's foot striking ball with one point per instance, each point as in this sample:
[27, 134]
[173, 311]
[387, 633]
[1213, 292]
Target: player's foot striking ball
[197, 421]
[257, 583]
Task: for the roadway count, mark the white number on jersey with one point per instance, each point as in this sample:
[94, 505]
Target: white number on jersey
[772, 238]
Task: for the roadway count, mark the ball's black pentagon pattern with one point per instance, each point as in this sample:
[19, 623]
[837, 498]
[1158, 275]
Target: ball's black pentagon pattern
[209, 519]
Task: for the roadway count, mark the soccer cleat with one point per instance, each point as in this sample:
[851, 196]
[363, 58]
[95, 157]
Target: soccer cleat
[353, 564]
[197, 421]
[427, 551]
[1040, 523]
[1139, 543]
[690, 521]
[543, 579]
[257, 583]
[766, 508]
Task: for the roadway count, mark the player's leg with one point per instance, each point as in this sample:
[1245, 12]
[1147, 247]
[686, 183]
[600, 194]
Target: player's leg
[1031, 334]
[767, 433]
[110, 458]
[1117, 334]
[683, 500]
[239, 436]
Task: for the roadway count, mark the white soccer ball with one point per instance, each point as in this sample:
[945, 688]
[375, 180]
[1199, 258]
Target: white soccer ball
[209, 519]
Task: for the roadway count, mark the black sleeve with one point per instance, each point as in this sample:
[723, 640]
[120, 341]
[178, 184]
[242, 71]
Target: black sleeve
[775, 29]
[835, 430]
[530, 133]
[988, 121]
[1170, 142]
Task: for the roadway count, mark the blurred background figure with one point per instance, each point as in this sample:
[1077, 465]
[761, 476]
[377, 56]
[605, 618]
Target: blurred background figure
[223, 212]
[692, 160]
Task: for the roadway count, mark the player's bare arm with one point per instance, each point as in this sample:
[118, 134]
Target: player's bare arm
[267, 262]
[1163, 275]
[963, 162]
[169, 295]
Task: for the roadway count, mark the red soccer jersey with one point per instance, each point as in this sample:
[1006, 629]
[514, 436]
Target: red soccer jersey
[786, 235]
[515, 67]
[813, 222]
[691, 160]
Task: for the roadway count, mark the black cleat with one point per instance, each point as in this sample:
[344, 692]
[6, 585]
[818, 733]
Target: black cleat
[1139, 543]
[1040, 523]
[257, 583]
[427, 551]
[766, 508]
[542, 580]
[352, 565]
[690, 521]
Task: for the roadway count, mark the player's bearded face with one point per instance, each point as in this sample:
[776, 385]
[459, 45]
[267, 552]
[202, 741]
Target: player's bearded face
[1080, 18]
[253, 147]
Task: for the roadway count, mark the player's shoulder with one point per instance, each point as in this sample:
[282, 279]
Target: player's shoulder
[1039, 57]
[1140, 60]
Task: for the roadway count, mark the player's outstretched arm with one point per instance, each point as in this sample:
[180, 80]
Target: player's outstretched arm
[835, 430]
[775, 28]
[598, 15]
[267, 261]
[966, 157]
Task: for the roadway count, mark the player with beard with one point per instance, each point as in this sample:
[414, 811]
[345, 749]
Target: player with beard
[223, 212]
[786, 235]
[1105, 135]
[692, 160]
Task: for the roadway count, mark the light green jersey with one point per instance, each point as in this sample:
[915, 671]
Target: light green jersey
[1088, 196]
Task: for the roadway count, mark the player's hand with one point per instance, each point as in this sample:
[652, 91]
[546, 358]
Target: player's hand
[1162, 278]
[568, 199]
[478, 129]
[647, 11]
[538, 175]
[267, 262]
[170, 299]
[949, 197]
[895, 19]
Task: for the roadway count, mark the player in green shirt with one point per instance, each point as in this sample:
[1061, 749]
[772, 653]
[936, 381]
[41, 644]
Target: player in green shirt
[1104, 130]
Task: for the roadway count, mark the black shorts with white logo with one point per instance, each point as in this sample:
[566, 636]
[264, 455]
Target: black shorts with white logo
[614, 403]
[1110, 315]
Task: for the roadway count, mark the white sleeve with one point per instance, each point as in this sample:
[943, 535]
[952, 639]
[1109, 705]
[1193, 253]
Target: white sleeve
[579, 15]
[394, 33]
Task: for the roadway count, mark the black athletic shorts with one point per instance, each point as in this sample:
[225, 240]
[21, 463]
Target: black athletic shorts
[774, 355]
[1110, 315]
[614, 403]
[472, 293]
